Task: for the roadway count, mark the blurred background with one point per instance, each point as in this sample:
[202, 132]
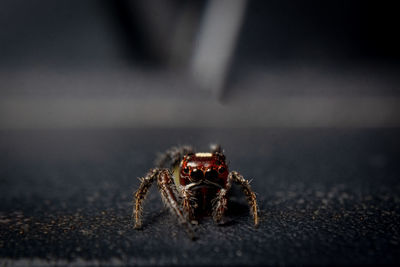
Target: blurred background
[303, 95]
[176, 63]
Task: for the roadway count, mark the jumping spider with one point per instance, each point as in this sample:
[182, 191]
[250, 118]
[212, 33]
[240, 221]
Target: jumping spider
[193, 185]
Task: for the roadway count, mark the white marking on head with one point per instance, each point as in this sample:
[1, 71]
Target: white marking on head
[200, 155]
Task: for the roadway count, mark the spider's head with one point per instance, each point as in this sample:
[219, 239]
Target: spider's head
[204, 169]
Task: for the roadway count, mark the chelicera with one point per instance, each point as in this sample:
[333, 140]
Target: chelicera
[193, 185]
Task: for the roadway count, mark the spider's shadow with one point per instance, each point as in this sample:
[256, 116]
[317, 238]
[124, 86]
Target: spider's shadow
[237, 205]
[237, 208]
[155, 218]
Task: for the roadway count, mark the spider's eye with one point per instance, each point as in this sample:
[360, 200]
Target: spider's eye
[221, 170]
[196, 175]
[186, 170]
[211, 175]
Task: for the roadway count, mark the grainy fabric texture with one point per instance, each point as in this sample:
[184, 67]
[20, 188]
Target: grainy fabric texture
[326, 197]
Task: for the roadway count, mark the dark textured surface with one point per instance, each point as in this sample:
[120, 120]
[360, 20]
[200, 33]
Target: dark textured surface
[326, 197]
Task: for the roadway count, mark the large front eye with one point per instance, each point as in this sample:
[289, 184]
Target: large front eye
[186, 170]
[196, 175]
[211, 175]
[221, 169]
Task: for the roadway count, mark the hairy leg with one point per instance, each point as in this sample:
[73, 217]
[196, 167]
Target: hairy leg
[140, 196]
[220, 202]
[248, 192]
[172, 156]
[171, 199]
[188, 204]
[220, 206]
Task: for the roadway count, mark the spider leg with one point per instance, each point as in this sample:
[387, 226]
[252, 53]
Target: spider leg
[188, 203]
[140, 196]
[220, 206]
[172, 156]
[171, 199]
[220, 202]
[249, 193]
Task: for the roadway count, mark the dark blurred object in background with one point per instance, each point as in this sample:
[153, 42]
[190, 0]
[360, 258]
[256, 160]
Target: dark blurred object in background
[109, 63]
[135, 32]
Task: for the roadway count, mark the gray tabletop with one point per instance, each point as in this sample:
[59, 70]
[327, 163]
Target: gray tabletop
[327, 196]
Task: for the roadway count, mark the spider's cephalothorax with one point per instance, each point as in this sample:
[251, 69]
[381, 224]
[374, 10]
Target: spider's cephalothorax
[202, 175]
[193, 185]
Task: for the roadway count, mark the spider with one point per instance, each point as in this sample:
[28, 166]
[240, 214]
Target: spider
[194, 185]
